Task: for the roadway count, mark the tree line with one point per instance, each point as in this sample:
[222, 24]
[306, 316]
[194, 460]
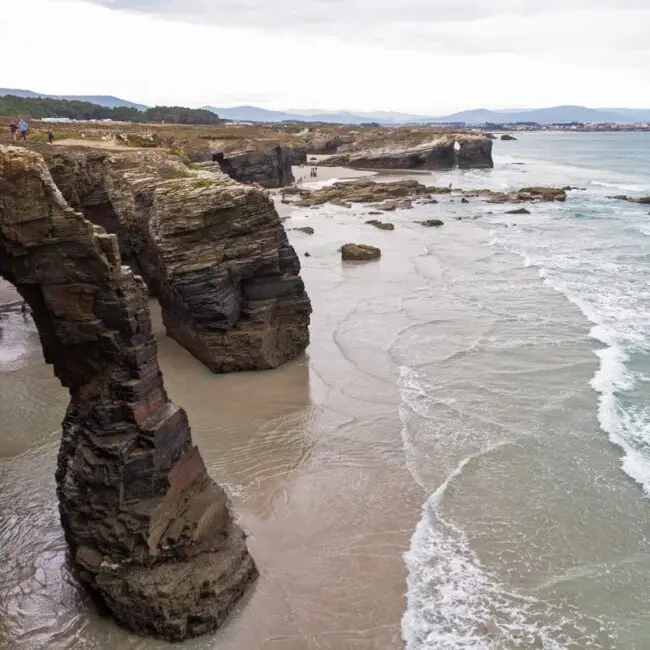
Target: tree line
[39, 107]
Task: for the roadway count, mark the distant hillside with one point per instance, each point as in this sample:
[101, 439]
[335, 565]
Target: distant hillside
[553, 115]
[43, 107]
[107, 101]
[255, 114]
[633, 114]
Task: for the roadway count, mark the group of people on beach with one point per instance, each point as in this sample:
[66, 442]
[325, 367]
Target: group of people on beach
[313, 172]
[19, 129]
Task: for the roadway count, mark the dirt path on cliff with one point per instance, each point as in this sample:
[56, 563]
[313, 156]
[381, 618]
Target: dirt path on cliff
[109, 145]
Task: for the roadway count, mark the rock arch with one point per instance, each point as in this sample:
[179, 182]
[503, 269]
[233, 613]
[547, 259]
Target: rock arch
[150, 533]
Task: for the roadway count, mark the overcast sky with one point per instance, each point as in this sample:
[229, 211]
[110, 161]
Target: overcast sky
[425, 56]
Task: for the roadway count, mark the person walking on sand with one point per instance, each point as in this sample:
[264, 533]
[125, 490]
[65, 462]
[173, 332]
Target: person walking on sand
[50, 137]
[13, 127]
[23, 128]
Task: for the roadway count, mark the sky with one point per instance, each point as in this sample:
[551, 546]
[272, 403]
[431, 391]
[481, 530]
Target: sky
[429, 57]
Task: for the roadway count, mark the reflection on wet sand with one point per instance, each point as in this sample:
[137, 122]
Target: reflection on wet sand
[311, 455]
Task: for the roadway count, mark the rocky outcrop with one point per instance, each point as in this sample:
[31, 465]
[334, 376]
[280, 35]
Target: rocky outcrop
[268, 167]
[212, 250]
[360, 253]
[445, 152]
[391, 205]
[362, 191]
[644, 200]
[150, 533]
[525, 194]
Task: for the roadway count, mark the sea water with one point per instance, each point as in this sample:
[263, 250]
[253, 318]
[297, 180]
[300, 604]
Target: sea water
[531, 434]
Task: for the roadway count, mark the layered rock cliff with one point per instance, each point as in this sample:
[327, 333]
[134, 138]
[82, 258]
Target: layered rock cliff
[149, 532]
[445, 152]
[212, 250]
[268, 168]
[266, 163]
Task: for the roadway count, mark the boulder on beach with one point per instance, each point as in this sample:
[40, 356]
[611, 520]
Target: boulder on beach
[431, 223]
[308, 230]
[360, 253]
[507, 136]
[381, 224]
[518, 211]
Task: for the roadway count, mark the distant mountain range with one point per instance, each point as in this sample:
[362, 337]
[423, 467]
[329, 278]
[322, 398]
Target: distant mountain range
[107, 101]
[255, 114]
[555, 114]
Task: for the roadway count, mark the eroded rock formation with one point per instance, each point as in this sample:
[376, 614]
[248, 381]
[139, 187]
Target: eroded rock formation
[212, 250]
[362, 191]
[268, 168]
[150, 533]
[525, 194]
[445, 152]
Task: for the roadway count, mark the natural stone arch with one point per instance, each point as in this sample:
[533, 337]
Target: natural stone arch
[150, 533]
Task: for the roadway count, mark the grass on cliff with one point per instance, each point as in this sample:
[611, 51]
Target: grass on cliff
[41, 136]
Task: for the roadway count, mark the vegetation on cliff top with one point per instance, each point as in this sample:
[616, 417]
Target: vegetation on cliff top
[39, 107]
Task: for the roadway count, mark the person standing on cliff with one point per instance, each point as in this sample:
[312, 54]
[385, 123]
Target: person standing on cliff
[13, 127]
[23, 128]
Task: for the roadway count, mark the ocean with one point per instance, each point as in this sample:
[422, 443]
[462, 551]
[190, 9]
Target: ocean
[460, 461]
[538, 416]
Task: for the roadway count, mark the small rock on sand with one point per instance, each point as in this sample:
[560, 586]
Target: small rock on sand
[518, 211]
[381, 225]
[360, 253]
[431, 223]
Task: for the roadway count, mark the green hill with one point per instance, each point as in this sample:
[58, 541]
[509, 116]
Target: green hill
[43, 107]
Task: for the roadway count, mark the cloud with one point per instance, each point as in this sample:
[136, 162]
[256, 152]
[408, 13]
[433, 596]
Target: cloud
[593, 30]
[326, 15]
[499, 57]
